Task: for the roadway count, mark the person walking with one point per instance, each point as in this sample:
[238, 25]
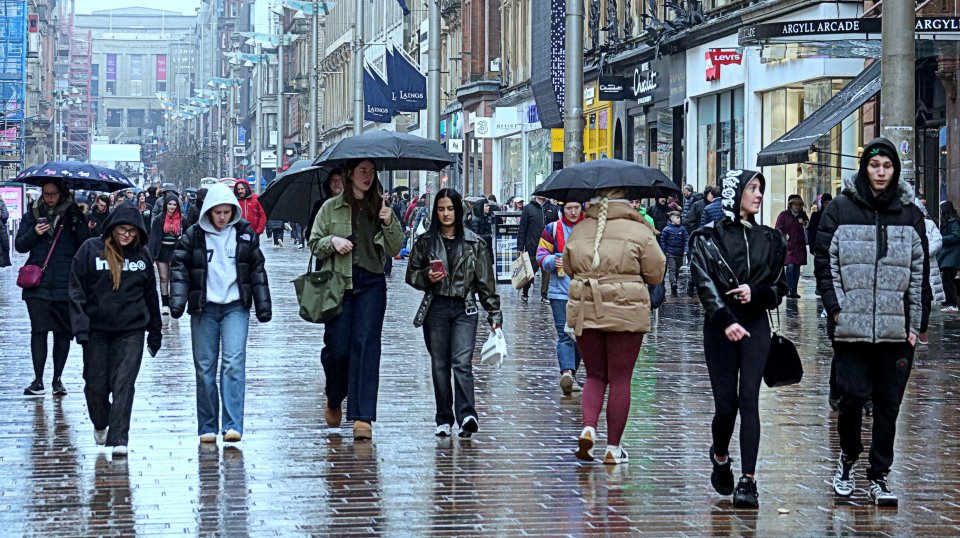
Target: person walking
[673, 241]
[791, 222]
[611, 256]
[814, 225]
[4, 236]
[250, 208]
[932, 287]
[870, 264]
[193, 214]
[276, 228]
[217, 275]
[737, 267]
[164, 233]
[355, 232]
[533, 218]
[659, 212]
[98, 214]
[482, 224]
[553, 241]
[52, 230]
[448, 311]
[712, 212]
[113, 302]
[948, 259]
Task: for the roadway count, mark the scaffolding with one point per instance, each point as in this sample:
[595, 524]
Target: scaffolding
[79, 118]
[13, 82]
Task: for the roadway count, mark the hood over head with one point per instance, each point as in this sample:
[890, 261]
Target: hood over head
[166, 200]
[245, 184]
[731, 191]
[899, 190]
[218, 194]
[125, 213]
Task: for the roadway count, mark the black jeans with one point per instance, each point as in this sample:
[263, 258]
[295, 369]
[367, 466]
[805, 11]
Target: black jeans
[111, 363]
[949, 274]
[871, 371]
[736, 370]
[450, 334]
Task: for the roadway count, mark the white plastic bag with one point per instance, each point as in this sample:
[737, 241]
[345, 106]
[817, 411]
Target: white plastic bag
[494, 350]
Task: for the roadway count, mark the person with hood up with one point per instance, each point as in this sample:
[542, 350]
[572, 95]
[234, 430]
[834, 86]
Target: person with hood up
[553, 240]
[250, 208]
[659, 211]
[448, 312]
[52, 229]
[712, 211]
[166, 230]
[217, 275]
[870, 264]
[611, 257]
[948, 259]
[113, 302]
[737, 267]
[354, 233]
[791, 222]
[482, 223]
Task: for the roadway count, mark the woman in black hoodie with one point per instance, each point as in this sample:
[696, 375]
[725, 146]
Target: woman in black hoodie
[737, 265]
[165, 231]
[113, 302]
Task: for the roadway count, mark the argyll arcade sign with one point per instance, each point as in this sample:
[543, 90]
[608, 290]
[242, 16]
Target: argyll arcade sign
[840, 29]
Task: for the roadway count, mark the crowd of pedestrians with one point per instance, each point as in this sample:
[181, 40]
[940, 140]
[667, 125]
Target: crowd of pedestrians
[601, 264]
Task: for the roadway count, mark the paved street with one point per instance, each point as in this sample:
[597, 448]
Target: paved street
[292, 475]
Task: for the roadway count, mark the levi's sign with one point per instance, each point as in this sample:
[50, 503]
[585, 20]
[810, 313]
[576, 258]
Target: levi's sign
[782, 32]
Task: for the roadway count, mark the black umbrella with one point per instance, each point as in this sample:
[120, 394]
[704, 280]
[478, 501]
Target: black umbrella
[401, 188]
[580, 183]
[76, 175]
[390, 150]
[291, 196]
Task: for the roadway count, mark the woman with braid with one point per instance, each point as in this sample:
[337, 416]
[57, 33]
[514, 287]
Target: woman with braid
[611, 256]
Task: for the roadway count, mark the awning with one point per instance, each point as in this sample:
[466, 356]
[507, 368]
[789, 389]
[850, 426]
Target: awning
[795, 146]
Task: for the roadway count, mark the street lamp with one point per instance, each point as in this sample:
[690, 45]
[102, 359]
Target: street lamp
[63, 99]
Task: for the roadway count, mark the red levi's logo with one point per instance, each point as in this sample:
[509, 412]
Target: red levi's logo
[716, 57]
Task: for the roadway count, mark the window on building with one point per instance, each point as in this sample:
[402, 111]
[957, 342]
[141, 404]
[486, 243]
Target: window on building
[114, 117]
[135, 117]
[111, 87]
[155, 118]
[161, 85]
[720, 129]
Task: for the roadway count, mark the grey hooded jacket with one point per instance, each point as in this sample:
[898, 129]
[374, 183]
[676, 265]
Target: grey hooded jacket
[869, 259]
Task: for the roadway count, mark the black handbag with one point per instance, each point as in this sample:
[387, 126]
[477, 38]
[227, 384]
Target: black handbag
[783, 361]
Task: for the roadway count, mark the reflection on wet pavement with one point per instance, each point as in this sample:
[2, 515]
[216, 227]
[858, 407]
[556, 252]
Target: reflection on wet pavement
[292, 475]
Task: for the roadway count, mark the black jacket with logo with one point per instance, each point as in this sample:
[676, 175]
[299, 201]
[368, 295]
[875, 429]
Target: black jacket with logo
[95, 305]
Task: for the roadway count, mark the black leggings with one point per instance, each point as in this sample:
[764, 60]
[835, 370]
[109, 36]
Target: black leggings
[38, 350]
[948, 274]
[736, 370]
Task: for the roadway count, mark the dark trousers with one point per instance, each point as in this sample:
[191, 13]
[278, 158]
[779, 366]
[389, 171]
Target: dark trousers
[450, 335]
[926, 304]
[354, 344]
[673, 270]
[793, 276]
[111, 363]
[949, 275]
[277, 235]
[871, 371]
[736, 370]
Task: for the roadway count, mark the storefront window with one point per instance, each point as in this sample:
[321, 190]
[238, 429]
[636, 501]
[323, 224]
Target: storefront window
[835, 157]
[640, 146]
[665, 142]
[511, 167]
[720, 135]
[539, 158]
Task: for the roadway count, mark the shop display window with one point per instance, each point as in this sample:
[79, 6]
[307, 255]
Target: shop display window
[539, 158]
[640, 144]
[511, 168]
[720, 135]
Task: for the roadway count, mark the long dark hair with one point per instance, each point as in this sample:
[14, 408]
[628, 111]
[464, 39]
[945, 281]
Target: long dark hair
[947, 213]
[373, 199]
[457, 200]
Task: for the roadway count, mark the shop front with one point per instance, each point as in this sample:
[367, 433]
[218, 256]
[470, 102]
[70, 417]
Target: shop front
[523, 155]
[598, 123]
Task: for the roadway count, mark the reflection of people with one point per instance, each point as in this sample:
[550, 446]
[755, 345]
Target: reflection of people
[737, 266]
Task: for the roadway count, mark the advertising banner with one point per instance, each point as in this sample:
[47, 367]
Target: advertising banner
[377, 106]
[13, 198]
[161, 67]
[407, 84]
[111, 67]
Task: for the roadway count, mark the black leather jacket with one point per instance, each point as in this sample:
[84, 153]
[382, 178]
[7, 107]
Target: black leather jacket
[473, 273]
[725, 255]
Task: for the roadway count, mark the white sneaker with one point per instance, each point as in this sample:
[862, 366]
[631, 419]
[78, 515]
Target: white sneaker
[100, 436]
[231, 436]
[615, 455]
[208, 438]
[165, 311]
[950, 309]
[443, 430]
[120, 450]
[585, 443]
[566, 383]
[843, 482]
[468, 427]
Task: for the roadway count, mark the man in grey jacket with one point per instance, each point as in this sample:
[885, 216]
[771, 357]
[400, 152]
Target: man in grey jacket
[870, 267]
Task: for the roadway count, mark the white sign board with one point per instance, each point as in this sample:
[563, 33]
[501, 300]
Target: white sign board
[455, 145]
[113, 153]
[239, 151]
[268, 158]
[483, 127]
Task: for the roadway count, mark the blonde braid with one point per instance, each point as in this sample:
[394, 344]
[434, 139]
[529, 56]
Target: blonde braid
[601, 224]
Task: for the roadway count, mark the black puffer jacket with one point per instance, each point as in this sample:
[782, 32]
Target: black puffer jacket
[188, 281]
[56, 277]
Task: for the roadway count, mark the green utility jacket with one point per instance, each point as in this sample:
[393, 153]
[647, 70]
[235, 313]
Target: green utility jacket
[334, 220]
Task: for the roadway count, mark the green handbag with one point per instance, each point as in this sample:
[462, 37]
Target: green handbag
[320, 293]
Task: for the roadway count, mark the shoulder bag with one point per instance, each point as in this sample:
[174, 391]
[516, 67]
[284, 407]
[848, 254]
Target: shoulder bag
[320, 293]
[783, 361]
[30, 275]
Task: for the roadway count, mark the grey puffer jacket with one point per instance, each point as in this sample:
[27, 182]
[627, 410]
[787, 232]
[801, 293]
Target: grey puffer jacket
[870, 260]
[935, 241]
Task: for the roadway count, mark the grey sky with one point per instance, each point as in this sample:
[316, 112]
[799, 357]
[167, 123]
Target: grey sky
[186, 7]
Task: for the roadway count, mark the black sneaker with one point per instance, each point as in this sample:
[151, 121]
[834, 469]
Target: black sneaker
[722, 475]
[843, 483]
[35, 388]
[58, 388]
[746, 494]
[468, 427]
[879, 494]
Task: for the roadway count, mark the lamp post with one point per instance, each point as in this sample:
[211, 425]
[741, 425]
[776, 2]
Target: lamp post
[358, 69]
[62, 100]
[315, 76]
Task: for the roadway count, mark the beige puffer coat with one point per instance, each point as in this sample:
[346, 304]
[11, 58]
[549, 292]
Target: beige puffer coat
[614, 296]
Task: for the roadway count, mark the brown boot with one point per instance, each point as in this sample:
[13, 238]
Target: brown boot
[332, 416]
[362, 430]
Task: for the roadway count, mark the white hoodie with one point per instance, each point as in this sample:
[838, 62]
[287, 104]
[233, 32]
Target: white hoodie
[222, 286]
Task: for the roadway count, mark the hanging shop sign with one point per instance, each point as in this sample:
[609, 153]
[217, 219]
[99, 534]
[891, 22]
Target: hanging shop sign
[645, 83]
[842, 29]
[612, 88]
[717, 57]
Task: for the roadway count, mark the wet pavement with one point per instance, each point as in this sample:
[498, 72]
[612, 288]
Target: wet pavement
[291, 475]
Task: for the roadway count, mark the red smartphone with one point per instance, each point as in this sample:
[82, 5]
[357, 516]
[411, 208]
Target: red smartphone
[437, 267]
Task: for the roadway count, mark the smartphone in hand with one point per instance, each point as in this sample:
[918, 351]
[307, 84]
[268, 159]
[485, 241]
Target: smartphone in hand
[41, 220]
[437, 267]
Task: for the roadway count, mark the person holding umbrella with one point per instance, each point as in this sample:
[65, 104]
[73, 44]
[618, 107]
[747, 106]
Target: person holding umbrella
[355, 232]
[113, 302]
[52, 230]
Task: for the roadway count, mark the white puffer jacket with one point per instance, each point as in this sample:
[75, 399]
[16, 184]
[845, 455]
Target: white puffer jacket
[935, 242]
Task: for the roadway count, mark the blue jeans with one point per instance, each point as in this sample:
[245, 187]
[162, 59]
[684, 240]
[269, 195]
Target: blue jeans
[451, 334]
[568, 355]
[793, 276]
[354, 344]
[220, 327]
